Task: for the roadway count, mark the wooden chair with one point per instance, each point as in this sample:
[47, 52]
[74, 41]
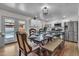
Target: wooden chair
[32, 31]
[24, 47]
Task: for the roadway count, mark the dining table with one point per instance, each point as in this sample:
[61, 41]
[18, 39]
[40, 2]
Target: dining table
[40, 38]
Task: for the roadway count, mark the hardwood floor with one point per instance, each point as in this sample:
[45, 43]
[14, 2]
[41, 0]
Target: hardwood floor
[9, 50]
[70, 49]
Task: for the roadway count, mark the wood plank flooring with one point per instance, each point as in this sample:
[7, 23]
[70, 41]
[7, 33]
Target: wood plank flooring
[9, 50]
[70, 49]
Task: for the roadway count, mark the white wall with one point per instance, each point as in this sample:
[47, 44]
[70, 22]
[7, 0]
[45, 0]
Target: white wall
[78, 28]
[78, 33]
[0, 24]
[6, 13]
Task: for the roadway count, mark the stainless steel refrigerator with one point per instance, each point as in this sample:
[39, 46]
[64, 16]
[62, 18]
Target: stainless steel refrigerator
[71, 31]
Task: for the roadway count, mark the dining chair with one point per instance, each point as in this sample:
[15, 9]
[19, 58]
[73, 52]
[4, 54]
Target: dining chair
[24, 47]
[32, 31]
[41, 30]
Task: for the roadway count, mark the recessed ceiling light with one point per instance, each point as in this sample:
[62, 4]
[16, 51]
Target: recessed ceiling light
[64, 16]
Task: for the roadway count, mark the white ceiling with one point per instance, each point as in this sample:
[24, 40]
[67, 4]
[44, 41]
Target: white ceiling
[56, 10]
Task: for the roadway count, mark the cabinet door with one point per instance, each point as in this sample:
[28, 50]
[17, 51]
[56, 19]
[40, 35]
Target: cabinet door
[76, 26]
[71, 26]
[75, 31]
[71, 30]
[75, 37]
[71, 36]
[66, 30]
[66, 35]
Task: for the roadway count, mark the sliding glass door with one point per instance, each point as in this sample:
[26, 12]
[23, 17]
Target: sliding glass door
[9, 30]
[8, 26]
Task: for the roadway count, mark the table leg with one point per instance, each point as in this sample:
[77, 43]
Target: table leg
[40, 51]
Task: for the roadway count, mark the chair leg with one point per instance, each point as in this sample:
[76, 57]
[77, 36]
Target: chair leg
[19, 52]
[25, 54]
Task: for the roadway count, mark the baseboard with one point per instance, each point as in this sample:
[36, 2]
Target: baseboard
[11, 43]
[71, 41]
